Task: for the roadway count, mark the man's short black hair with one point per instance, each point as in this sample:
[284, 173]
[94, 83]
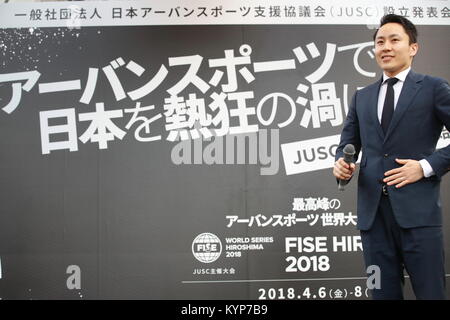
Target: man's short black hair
[409, 27]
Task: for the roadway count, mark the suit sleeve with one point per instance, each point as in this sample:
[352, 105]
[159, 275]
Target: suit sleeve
[350, 132]
[440, 159]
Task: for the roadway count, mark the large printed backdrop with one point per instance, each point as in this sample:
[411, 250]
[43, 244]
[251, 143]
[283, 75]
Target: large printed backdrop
[107, 214]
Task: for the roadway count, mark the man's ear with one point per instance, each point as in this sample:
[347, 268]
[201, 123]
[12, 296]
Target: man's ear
[413, 49]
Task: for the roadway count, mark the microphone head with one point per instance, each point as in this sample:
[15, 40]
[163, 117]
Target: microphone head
[349, 149]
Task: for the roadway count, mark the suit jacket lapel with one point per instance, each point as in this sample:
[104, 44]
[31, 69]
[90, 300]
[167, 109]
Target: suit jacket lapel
[410, 88]
[374, 107]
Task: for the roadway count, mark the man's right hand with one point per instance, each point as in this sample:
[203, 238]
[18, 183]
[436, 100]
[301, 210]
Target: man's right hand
[342, 170]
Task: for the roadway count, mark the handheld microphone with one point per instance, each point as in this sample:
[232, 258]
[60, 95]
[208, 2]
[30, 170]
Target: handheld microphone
[349, 153]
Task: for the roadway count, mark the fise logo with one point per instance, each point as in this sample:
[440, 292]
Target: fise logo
[206, 247]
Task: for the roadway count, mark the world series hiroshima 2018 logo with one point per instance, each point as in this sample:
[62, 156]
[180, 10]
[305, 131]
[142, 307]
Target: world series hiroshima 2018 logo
[206, 247]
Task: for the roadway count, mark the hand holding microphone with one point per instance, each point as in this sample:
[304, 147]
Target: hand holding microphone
[344, 167]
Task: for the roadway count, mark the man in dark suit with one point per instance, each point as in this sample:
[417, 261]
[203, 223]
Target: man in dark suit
[396, 123]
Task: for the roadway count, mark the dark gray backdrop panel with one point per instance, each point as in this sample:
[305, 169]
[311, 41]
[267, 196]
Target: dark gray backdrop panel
[127, 215]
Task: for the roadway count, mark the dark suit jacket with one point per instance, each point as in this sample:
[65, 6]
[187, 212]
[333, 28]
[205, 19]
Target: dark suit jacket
[422, 110]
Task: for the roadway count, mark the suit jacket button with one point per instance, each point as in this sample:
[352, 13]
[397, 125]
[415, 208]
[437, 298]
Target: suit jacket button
[386, 155]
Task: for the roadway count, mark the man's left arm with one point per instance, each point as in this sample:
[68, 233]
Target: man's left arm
[440, 159]
[437, 163]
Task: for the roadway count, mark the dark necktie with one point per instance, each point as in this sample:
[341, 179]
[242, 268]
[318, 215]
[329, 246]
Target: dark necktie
[388, 107]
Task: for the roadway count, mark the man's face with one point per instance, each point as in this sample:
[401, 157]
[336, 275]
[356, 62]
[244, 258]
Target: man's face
[392, 49]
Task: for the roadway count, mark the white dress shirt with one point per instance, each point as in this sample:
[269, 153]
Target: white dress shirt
[426, 167]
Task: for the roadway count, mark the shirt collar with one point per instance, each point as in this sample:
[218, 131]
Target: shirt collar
[400, 76]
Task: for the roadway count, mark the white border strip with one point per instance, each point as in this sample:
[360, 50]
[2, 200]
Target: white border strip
[215, 12]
